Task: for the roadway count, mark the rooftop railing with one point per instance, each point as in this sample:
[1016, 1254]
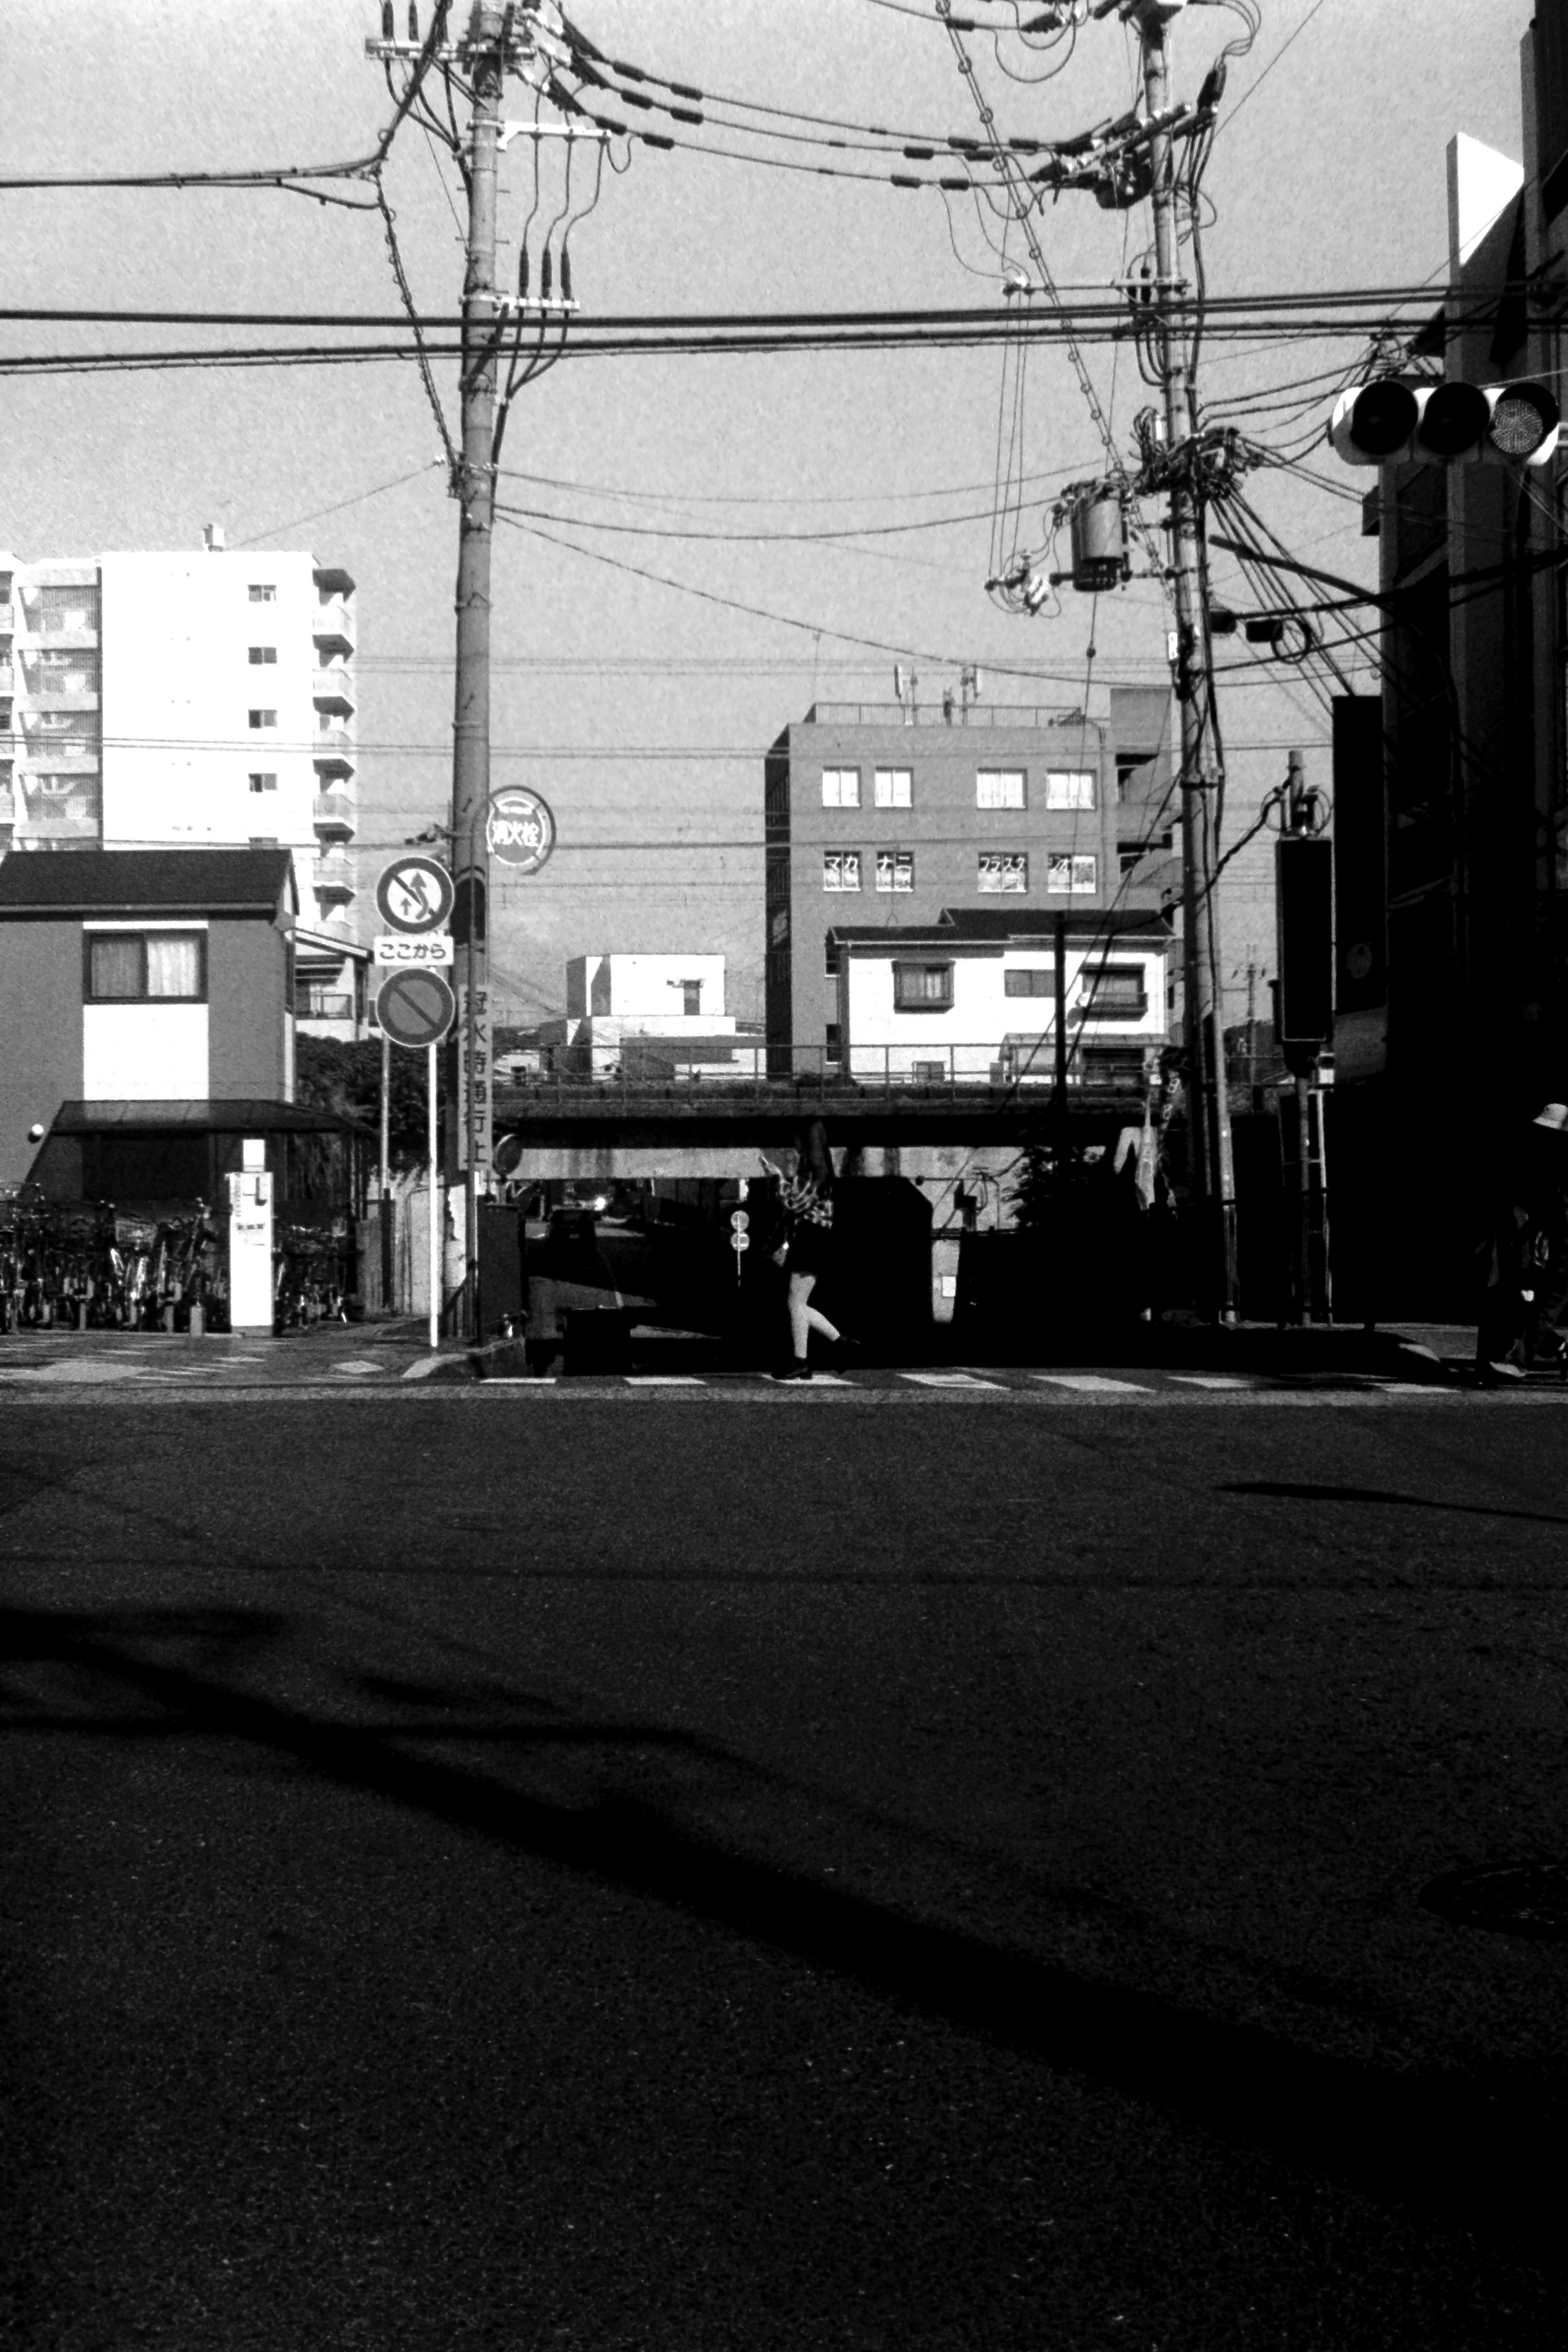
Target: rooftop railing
[933, 714]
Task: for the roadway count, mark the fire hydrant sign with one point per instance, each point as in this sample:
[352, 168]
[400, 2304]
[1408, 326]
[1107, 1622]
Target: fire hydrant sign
[520, 829]
[414, 894]
[401, 951]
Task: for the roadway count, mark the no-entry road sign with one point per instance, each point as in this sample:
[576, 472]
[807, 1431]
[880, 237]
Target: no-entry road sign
[414, 894]
[416, 1008]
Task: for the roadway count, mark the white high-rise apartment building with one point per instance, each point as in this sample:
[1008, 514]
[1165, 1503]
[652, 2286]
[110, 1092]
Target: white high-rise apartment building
[187, 700]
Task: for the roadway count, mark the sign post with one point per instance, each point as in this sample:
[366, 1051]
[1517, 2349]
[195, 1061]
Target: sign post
[434, 1243]
[415, 1006]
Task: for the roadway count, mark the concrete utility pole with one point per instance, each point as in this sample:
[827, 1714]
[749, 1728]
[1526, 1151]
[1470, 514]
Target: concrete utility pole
[467, 1152]
[1203, 1004]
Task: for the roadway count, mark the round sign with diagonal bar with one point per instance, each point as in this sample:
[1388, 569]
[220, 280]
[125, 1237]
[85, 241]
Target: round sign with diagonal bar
[414, 894]
[520, 829]
[416, 1008]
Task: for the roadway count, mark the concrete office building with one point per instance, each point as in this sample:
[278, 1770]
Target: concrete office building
[192, 698]
[893, 812]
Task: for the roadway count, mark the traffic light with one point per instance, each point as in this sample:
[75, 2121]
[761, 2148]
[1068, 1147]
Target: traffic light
[1402, 420]
[1304, 916]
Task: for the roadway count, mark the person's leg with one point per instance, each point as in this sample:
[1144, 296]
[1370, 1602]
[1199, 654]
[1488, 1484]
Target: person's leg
[805, 1318]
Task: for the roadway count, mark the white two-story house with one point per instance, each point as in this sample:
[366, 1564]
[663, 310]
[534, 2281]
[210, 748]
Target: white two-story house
[974, 997]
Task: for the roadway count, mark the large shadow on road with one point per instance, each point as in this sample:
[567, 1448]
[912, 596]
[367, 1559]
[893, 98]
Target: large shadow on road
[1468, 2148]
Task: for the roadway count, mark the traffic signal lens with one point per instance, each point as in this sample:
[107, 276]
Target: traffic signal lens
[1384, 418]
[1523, 416]
[1454, 419]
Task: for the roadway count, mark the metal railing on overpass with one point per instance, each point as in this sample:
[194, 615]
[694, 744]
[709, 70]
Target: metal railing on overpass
[765, 1072]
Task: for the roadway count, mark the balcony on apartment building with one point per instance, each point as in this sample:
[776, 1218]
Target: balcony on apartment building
[333, 883]
[333, 628]
[332, 688]
[334, 753]
[63, 739]
[54, 678]
[55, 811]
[58, 617]
[335, 817]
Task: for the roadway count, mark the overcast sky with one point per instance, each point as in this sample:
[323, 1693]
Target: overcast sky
[1331, 173]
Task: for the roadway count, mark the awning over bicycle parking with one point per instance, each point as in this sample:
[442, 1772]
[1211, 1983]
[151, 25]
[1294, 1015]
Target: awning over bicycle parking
[130, 1150]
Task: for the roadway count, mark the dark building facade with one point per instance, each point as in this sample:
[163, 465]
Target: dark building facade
[1451, 797]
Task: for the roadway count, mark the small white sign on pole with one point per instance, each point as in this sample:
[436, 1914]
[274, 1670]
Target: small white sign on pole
[398, 950]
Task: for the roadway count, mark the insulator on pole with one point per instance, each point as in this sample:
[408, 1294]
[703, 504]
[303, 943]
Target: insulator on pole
[388, 21]
[413, 21]
[546, 277]
[565, 275]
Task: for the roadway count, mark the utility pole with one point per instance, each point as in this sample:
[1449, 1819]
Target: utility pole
[485, 57]
[1203, 1004]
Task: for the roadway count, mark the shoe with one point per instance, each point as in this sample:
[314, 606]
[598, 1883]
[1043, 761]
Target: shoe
[796, 1372]
[1499, 1376]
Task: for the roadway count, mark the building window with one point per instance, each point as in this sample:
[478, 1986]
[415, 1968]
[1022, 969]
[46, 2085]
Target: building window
[830, 957]
[264, 718]
[1072, 876]
[894, 788]
[1030, 979]
[922, 987]
[1000, 788]
[262, 654]
[262, 592]
[1004, 869]
[895, 869]
[834, 1049]
[690, 998]
[1069, 788]
[263, 780]
[841, 869]
[138, 967]
[1115, 992]
[841, 788]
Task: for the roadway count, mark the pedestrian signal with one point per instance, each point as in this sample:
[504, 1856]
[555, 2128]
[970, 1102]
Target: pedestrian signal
[1402, 420]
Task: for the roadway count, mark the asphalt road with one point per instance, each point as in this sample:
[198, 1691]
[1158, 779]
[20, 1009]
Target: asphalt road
[685, 1870]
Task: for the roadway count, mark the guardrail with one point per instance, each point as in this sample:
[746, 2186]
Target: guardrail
[771, 1072]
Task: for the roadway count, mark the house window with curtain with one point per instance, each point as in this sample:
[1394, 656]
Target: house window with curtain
[922, 987]
[1003, 869]
[1072, 876]
[146, 967]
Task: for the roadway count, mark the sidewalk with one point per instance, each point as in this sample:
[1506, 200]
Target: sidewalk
[337, 1355]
